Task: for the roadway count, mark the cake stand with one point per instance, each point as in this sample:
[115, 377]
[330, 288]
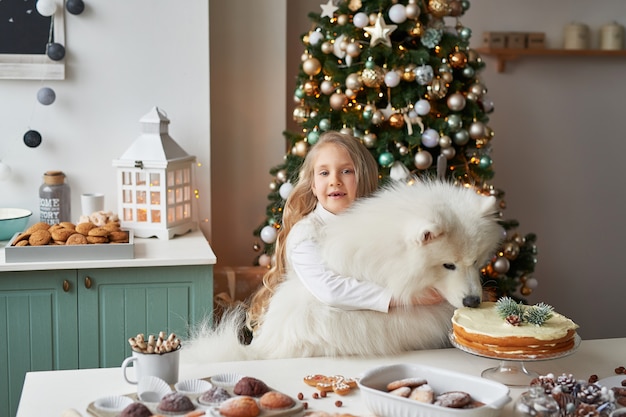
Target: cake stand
[512, 371]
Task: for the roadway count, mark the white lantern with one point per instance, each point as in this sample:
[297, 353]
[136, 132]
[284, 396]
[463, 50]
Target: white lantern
[155, 195]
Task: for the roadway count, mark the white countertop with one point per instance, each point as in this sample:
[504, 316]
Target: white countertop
[50, 393]
[189, 249]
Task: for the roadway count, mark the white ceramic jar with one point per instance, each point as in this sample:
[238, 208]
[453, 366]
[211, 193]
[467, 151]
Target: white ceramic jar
[612, 37]
[576, 36]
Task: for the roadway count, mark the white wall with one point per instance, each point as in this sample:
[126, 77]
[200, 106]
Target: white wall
[558, 148]
[122, 58]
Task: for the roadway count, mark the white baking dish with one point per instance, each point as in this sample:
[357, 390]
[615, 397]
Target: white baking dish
[373, 385]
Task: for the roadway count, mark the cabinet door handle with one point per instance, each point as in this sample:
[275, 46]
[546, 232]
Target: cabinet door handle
[87, 282]
[66, 285]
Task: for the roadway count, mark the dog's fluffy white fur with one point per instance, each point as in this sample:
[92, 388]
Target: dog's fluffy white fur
[405, 238]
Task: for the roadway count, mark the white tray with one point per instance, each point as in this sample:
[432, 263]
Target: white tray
[373, 390]
[51, 253]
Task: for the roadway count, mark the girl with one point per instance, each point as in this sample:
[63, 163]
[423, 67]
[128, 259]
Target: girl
[337, 170]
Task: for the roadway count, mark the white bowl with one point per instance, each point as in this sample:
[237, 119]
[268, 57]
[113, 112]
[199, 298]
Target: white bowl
[114, 403]
[226, 380]
[373, 385]
[192, 386]
[151, 389]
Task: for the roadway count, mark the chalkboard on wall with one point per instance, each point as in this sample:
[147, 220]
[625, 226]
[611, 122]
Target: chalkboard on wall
[24, 34]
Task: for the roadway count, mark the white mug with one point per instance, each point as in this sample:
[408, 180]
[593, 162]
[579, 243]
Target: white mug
[91, 203]
[161, 365]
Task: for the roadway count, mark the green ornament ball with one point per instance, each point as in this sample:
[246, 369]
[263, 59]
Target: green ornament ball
[313, 137]
[485, 162]
[386, 159]
[324, 124]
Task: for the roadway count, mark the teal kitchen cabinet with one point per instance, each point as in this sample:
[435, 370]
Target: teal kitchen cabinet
[38, 328]
[114, 305]
[71, 315]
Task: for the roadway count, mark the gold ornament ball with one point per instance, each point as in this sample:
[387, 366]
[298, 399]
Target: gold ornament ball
[458, 59]
[273, 186]
[438, 88]
[338, 101]
[438, 8]
[300, 114]
[447, 77]
[353, 49]
[353, 82]
[281, 176]
[369, 140]
[327, 87]
[312, 66]
[378, 118]
[525, 291]
[300, 148]
[449, 152]
[327, 48]
[373, 77]
[311, 88]
[396, 120]
[478, 89]
[456, 8]
[342, 19]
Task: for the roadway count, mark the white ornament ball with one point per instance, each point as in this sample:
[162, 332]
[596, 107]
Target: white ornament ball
[5, 171]
[456, 102]
[265, 260]
[315, 37]
[338, 101]
[353, 49]
[532, 283]
[430, 138]
[412, 11]
[360, 20]
[285, 190]
[392, 79]
[423, 160]
[327, 87]
[353, 82]
[422, 107]
[268, 234]
[46, 7]
[397, 13]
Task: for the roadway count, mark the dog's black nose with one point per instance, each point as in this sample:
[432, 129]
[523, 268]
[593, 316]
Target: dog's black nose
[471, 301]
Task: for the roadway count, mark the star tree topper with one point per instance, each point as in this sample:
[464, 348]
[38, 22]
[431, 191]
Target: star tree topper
[380, 32]
[329, 9]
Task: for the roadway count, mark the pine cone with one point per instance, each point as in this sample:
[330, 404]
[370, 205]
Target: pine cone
[514, 320]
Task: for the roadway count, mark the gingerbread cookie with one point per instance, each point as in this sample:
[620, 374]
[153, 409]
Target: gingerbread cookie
[60, 234]
[76, 239]
[38, 226]
[84, 228]
[40, 237]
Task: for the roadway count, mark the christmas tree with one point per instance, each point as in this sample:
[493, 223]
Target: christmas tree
[400, 76]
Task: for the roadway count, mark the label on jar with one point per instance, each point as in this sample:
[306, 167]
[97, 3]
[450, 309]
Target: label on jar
[50, 210]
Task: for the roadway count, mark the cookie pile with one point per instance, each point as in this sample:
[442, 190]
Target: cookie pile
[418, 389]
[67, 233]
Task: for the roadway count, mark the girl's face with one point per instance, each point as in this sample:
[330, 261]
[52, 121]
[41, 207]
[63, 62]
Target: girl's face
[334, 178]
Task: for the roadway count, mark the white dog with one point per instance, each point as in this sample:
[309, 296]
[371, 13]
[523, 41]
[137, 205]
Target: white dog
[406, 238]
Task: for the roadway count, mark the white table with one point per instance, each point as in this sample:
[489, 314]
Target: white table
[50, 393]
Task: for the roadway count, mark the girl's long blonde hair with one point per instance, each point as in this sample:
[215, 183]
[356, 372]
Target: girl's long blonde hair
[301, 202]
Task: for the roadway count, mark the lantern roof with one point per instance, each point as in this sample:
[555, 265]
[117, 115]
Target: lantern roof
[154, 146]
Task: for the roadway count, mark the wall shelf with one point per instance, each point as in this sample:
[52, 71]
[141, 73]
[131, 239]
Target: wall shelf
[503, 54]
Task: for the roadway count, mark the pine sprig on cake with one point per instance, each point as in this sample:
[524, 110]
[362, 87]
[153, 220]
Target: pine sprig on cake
[510, 310]
[539, 314]
[516, 313]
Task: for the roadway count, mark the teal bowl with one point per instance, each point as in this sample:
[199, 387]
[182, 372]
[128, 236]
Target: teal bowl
[12, 221]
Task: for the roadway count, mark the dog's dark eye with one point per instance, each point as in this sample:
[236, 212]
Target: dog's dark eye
[451, 267]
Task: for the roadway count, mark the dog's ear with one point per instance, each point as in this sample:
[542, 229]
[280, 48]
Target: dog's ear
[489, 206]
[427, 232]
